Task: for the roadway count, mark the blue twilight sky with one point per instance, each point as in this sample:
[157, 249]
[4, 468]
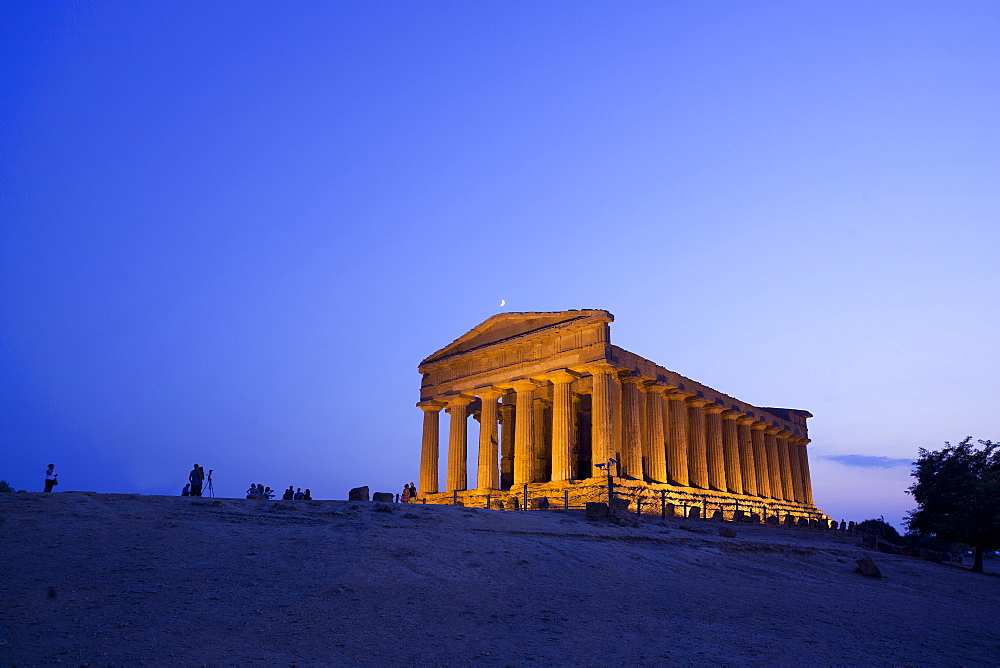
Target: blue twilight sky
[231, 230]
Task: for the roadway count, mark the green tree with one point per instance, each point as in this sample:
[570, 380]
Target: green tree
[5, 487]
[958, 495]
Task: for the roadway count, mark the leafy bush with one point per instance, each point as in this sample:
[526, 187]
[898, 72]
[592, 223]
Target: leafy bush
[5, 487]
[881, 529]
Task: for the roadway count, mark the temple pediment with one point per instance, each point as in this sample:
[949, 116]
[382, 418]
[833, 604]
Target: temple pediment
[504, 327]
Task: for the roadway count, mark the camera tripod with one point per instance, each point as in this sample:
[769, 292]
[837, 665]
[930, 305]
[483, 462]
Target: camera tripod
[209, 485]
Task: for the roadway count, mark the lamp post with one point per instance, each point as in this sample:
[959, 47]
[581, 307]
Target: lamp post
[608, 467]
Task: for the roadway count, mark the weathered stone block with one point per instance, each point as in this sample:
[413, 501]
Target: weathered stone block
[385, 497]
[887, 548]
[867, 567]
[694, 512]
[619, 507]
[718, 515]
[597, 509]
[540, 503]
[359, 494]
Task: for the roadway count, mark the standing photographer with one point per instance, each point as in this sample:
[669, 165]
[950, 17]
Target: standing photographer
[196, 478]
[51, 478]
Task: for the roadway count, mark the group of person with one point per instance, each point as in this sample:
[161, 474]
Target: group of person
[296, 495]
[409, 493]
[260, 492]
[196, 479]
[291, 494]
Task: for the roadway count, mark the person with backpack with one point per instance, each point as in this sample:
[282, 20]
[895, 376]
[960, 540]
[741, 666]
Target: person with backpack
[51, 478]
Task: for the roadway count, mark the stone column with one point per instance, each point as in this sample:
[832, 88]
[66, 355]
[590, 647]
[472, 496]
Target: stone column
[747, 464]
[654, 442]
[524, 432]
[602, 417]
[713, 441]
[677, 448]
[807, 489]
[457, 454]
[697, 448]
[773, 463]
[562, 424]
[763, 474]
[786, 466]
[632, 426]
[796, 466]
[488, 471]
[507, 421]
[429, 447]
[731, 451]
[543, 452]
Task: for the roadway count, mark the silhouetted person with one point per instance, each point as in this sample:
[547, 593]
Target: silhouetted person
[405, 496]
[307, 496]
[51, 478]
[298, 494]
[196, 478]
[413, 492]
[268, 494]
[187, 490]
[289, 494]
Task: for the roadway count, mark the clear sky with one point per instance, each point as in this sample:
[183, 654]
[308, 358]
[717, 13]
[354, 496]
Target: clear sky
[231, 230]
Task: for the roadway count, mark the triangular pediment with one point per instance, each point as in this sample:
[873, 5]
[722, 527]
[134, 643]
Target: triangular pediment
[506, 326]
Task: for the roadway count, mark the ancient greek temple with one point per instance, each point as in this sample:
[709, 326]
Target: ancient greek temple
[554, 399]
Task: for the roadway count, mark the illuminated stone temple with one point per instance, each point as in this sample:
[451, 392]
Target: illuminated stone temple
[553, 399]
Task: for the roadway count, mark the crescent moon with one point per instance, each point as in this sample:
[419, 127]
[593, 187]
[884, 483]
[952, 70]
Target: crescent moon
[502, 302]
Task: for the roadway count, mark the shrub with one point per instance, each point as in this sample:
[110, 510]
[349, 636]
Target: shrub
[881, 529]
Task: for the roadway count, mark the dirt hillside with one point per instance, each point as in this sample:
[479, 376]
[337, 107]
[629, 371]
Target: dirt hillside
[114, 579]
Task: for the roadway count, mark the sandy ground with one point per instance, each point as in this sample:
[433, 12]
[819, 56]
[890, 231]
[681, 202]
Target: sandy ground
[117, 579]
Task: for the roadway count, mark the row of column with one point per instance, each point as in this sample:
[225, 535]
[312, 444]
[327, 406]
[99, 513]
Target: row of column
[666, 435]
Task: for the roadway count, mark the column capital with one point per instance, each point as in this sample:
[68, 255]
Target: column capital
[459, 400]
[559, 376]
[783, 434]
[771, 430]
[730, 414]
[488, 393]
[757, 425]
[744, 419]
[430, 405]
[654, 386]
[696, 402]
[677, 395]
[714, 408]
[597, 368]
[518, 385]
[633, 378]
